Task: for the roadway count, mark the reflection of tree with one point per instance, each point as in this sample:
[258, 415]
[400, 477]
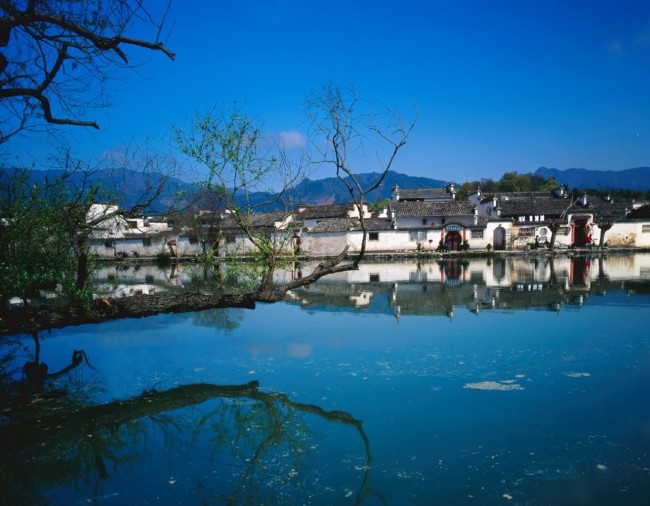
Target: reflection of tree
[226, 319]
[65, 444]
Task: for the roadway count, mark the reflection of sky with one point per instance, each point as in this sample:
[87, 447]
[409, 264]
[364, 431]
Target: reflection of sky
[579, 415]
[133, 355]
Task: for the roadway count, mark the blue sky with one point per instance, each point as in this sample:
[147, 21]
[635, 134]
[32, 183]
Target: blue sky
[499, 85]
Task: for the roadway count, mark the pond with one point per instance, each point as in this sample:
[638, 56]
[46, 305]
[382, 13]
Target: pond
[509, 380]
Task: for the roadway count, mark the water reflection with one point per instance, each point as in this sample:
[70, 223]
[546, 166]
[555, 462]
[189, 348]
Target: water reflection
[508, 405]
[501, 283]
[230, 443]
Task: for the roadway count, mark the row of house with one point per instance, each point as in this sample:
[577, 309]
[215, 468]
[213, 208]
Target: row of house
[416, 220]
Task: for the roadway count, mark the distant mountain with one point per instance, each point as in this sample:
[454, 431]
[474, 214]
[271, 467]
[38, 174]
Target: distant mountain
[629, 179]
[130, 186]
[330, 190]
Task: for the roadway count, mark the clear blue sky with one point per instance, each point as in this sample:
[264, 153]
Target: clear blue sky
[500, 85]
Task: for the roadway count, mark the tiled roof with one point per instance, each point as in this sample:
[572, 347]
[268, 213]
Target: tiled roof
[258, 220]
[451, 208]
[533, 205]
[423, 194]
[347, 224]
[605, 209]
[333, 211]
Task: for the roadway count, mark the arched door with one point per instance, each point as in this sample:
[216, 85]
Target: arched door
[499, 238]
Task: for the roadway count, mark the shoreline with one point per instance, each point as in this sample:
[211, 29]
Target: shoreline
[410, 255]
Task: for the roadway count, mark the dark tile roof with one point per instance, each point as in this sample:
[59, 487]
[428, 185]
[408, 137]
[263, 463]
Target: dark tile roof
[533, 205]
[351, 224]
[258, 220]
[607, 209]
[423, 194]
[333, 211]
[451, 208]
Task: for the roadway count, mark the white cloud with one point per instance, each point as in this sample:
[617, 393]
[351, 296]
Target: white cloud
[292, 139]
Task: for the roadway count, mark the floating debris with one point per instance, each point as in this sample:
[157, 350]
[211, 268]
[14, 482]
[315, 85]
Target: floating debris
[494, 385]
[573, 374]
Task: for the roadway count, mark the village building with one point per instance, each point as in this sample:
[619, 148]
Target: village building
[415, 220]
[118, 236]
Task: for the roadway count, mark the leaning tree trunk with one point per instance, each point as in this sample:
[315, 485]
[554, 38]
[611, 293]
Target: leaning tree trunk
[27, 320]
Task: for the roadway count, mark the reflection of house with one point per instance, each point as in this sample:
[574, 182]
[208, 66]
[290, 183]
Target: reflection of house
[430, 288]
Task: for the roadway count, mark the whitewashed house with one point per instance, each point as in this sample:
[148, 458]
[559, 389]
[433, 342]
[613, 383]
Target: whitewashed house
[115, 235]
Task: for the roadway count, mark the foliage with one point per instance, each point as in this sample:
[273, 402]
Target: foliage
[35, 236]
[163, 258]
[509, 182]
[240, 161]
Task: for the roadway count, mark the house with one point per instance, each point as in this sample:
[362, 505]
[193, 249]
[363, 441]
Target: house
[116, 235]
[431, 223]
[529, 216]
[310, 216]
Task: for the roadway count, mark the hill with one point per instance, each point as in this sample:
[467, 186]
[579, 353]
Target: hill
[331, 191]
[630, 179]
[128, 187]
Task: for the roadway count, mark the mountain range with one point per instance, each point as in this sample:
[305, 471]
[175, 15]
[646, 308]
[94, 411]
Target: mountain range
[131, 185]
[630, 179]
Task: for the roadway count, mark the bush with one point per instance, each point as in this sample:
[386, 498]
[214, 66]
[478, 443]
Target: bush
[163, 258]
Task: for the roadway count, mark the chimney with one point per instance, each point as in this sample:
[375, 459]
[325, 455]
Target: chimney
[583, 200]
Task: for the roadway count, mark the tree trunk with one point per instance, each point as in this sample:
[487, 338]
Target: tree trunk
[27, 320]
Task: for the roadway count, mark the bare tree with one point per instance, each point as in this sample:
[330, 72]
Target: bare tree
[555, 223]
[239, 160]
[344, 128]
[56, 57]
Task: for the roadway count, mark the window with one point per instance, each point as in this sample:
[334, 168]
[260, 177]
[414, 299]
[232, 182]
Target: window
[417, 235]
[424, 221]
[193, 240]
[521, 218]
[132, 223]
[477, 234]
[373, 236]
[146, 241]
[374, 278]
[526, 232]
[645, 229]
[563, 231]
[108, 243]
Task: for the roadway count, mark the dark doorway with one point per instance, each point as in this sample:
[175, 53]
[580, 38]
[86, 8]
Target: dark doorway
[454, 240]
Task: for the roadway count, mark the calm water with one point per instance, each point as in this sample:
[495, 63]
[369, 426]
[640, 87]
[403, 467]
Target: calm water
[512, 381]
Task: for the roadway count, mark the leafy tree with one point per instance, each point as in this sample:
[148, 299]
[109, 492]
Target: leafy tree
[239, 161]
[34, 245]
